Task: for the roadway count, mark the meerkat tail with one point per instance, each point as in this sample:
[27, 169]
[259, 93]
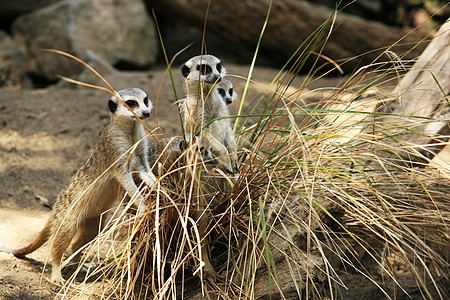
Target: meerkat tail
[38, 242]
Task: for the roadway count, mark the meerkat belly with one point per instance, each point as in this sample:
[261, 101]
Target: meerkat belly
[216, 130]
[101, 197]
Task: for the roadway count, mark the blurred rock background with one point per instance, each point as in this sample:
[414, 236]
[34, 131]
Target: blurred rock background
[120, 34]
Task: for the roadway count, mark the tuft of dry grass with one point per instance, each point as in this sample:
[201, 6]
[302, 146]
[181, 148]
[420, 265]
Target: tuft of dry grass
[328, 189]
[325, 188]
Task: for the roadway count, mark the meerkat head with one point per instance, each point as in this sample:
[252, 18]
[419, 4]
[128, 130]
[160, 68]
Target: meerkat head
[226, 92]
[136, 99]
[206, 68]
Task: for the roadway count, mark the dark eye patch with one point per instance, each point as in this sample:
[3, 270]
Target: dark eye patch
[185, 70]
[230, 91]
[146, 101]
[112, 106]
[219, 67]
[204, 69]
[221, 92]
[132, 103]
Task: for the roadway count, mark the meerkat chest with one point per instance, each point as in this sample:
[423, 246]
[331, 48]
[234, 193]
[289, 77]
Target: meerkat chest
[132, 144]
[105, 195]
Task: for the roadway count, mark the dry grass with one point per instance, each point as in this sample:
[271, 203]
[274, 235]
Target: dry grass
[324, 187]
[328, 187]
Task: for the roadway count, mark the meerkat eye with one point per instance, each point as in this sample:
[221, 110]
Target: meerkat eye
[219, 67]
[132, 103]
[221, 92]
[230, 91]
[146, 101]
[204, 69]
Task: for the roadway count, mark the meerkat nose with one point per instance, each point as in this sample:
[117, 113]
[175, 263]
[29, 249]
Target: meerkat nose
[145, 116]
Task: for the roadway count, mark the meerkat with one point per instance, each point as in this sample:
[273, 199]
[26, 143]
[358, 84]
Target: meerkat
[201, 106]
[121, 152]
[221, 129]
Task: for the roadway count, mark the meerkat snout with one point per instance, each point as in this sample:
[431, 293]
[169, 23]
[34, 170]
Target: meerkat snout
[206, 68]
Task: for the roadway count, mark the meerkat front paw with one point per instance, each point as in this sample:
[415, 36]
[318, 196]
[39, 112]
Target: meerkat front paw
[141, 208]
[234, 161]
[149, 178]
[224, 163]
[236, 169]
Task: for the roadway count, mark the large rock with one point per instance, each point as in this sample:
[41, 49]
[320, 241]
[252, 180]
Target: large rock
[119, 31]
[12, 63]
[12, 8]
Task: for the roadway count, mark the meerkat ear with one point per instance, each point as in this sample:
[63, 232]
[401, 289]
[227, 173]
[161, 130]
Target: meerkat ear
[112, 106]
[185, 70]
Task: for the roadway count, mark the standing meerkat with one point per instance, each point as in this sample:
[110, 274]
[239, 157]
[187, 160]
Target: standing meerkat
[221, 130]
[203, 104]
[122, 150]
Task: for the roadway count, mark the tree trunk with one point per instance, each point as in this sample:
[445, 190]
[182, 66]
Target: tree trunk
[290, 24]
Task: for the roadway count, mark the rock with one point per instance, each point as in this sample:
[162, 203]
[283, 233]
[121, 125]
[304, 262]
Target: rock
[119, 31]
[99, 65]
[12, 63]
[13, 8]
